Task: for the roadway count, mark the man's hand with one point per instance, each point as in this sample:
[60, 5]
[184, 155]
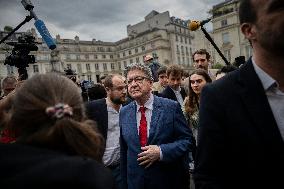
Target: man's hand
[149, 155]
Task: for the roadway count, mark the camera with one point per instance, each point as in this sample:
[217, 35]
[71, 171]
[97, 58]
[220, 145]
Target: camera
[20, 57]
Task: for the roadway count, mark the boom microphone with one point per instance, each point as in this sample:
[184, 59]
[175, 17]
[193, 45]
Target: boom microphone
[40, 26]
[195, 25]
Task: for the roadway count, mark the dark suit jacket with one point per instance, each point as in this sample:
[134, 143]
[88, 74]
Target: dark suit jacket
[169, 93]
[168, 130]
[97, 111]
[24, 166]
[239, 143]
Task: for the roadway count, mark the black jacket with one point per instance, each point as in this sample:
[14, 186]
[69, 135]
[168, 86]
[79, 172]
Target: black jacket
[239, 143]
[169, 93]
[24, 166]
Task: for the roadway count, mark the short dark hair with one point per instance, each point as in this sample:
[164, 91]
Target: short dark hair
[247, 12]
[228, 68]
[202, 51]
[162, 70]
[108, 81]
[97, 92]
[174, 70]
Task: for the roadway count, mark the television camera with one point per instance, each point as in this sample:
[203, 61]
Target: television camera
[20, 57]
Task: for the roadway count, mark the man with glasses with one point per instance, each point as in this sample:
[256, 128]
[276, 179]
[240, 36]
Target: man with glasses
[106, 113]
[155, 139]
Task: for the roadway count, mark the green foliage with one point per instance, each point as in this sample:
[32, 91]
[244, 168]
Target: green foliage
[217, 66]
[8, 28]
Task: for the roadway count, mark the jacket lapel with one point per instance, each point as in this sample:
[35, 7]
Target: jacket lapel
[155, 119]
[257, 105]
[132, 123]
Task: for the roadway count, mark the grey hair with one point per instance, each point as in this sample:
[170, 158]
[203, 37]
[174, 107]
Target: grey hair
[138, 66]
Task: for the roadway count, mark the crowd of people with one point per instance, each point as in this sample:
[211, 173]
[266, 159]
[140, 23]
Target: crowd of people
[156, 127]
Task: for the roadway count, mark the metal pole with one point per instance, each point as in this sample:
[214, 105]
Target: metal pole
[214, 45]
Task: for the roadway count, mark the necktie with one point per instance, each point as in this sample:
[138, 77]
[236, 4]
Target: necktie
[143, 127]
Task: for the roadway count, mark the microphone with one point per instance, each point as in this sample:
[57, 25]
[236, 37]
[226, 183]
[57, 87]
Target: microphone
[195, 25]
[41, 28]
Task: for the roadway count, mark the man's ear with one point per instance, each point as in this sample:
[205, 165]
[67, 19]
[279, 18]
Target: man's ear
[248, 30]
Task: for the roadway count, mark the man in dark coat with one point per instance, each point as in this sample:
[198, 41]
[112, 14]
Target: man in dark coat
[241, 129]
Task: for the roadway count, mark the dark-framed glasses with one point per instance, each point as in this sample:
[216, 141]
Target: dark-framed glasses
[137, 79]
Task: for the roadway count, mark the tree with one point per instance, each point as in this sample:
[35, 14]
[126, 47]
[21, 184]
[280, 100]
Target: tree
[8, 28]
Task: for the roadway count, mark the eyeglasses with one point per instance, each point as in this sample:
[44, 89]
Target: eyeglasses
[137, 79]
[198, 81]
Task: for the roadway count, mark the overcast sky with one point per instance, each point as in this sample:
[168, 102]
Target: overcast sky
[104, 20]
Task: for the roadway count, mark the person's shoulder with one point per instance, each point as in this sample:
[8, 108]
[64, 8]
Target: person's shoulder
[128, 106]
[226, 82]
[165, 101]
[98, 101]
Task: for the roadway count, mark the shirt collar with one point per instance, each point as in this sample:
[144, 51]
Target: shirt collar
[179, 89]
[266, 80]
[148, 104]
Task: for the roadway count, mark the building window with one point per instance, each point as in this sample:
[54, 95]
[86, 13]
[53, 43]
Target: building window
[177, 49]
[181, 39]
[118, 55]
[101, 49]
[224, 23]
[187, 60]
[97, 66]
[178, 60]
[119, 65]
[104, 56]
[186, 50]
[88, 68]
[87, 57]
[136, 50]
[112, 66]
[131, 61]
[129, 52]
[226, 38]
[176, 37]
[183, 60]
[143, 48]
[227, 54]
[10, 69]
[67, 56]
[96, 56]
[123, 54]
[77, 57]
[68, 66]
[89, 77]
[124, 64]
[137, 60]
[248, 51]
[105, 66]
[79, 68]
[111, 56]
[182, 49]
[35, 67]
[185, 40]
